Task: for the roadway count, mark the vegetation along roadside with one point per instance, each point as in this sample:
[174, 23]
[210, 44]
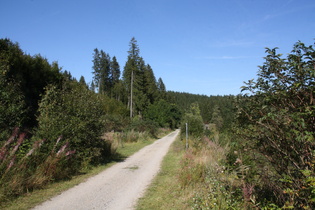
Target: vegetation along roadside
[250, 151]
[264, 159]
[31, 199]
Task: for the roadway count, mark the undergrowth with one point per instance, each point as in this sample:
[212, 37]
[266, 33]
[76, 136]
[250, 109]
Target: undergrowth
[195, 178]
[25, 171]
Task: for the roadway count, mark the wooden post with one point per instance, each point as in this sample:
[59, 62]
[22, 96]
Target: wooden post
[186, 136]
[131, 93]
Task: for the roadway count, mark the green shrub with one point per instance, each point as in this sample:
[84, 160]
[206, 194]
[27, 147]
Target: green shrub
[142, 126]
[77, 114]
[164, 114]
[276, 120]
[195, 123]
[12, 105]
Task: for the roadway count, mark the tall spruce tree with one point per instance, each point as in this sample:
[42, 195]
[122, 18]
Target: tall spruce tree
[102, 71]
[130, 72]
[140, 89]
[115, 75]
[150, 84]
[115, 71]
[92, 86]
[140, 82]
[82, 81]
[161, 89]
[96, 68]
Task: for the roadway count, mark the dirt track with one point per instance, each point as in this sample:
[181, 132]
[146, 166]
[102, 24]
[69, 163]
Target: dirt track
[118, 187]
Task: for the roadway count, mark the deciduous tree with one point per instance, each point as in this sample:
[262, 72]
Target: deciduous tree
[277, 119]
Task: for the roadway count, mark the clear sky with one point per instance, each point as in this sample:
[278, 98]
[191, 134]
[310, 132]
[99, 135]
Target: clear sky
[198, 46]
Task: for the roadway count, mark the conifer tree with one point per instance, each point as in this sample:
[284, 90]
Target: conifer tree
[92, 86]
[96, 67]
[82, 81]
[161, 89]
[102, 74]
[115, 71]
[130, 71]
[115, 75]
[141, 100]
[150, 84]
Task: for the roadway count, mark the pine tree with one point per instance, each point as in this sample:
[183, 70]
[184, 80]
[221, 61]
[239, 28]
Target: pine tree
[130, 72]
[115, 75]
[161, 89]
[216, 117]
[115, 71]
[96, 68]
[105, 82]
[102, 74]
[150, 84]
[82, 81]
[140, 88]
[92, 86]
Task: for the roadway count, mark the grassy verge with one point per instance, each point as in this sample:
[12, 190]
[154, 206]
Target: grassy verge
[36, 197]
[194, 179]
[165, 192]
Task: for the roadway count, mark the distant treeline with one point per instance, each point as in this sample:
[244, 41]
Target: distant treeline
[211, 107]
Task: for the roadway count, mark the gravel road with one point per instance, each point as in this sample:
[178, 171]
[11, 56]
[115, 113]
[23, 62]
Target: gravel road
[118, 187]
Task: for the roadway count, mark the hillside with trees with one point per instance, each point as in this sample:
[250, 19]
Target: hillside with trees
[53, 126]
[212, 108]
[250, 151]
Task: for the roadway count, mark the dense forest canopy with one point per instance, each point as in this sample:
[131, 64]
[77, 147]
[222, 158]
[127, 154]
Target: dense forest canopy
[211, 107]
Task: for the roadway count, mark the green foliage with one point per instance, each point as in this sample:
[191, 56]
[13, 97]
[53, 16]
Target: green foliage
[26, 77]
[34, 94]
[82, 81]
[102, 71]
[194, 120]
[161, 89]
[203, 174]
[141, 126]
[115, 71]
[164, 113]
[217, 117]
[277, 119]
[75, 113]
[12, 105]
[208, 105]
[139, 81]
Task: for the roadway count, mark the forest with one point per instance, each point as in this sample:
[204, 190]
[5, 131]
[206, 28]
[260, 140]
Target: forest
[52, 126]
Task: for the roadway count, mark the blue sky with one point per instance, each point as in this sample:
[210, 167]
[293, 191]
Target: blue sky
[198, 46]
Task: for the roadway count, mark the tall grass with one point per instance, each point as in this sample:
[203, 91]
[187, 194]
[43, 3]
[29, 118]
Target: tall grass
[195, 178]
[218, 188]
[33, 198]
[120, 139]
[25, 167]
[23, 170]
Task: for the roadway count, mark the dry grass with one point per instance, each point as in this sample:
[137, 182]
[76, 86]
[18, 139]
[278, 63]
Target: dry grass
[29, 200]
[194, 179]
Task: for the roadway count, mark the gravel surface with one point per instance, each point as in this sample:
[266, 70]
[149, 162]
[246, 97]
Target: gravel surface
[118, 187]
